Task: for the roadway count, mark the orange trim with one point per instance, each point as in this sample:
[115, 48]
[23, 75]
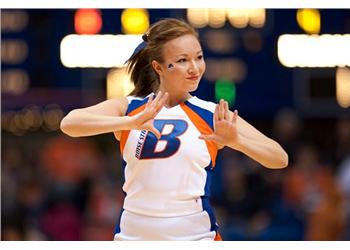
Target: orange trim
[218, 237]
[203, 128]
[125, 133]
[137, 110]
[123, 138]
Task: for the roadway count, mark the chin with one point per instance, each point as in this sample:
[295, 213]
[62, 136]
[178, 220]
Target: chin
[193, 88]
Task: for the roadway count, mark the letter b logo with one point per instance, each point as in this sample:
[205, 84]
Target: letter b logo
[170, 138]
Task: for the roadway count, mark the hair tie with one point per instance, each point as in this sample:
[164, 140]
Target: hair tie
[145, 37]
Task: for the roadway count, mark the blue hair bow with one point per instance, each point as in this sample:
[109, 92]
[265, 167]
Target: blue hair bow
[139, 47]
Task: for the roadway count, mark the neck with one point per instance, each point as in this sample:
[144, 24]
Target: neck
[174, 97]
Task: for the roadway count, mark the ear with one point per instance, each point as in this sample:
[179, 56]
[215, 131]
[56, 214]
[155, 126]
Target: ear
[157, 67]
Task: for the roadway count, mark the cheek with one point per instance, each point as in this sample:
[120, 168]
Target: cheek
[180, 70]
[202, 67]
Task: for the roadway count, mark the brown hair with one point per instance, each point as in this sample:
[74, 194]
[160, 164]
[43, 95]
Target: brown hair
[143, 75]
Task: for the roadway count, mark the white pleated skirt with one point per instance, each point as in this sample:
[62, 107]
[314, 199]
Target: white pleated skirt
[192, 227]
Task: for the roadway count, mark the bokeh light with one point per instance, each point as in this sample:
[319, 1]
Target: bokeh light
[88, 21]
[135, 21]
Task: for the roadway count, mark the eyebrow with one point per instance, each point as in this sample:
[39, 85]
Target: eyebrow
[200, 51]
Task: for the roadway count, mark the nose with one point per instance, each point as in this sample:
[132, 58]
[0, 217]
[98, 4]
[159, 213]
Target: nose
[193, 68]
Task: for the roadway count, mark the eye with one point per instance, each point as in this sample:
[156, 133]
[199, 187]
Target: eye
[200, 57]
[182, 60]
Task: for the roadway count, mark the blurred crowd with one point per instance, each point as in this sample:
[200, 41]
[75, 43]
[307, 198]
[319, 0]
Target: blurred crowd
[54, 187]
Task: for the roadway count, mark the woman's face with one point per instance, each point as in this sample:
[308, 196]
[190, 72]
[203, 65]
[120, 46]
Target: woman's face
[186, 57]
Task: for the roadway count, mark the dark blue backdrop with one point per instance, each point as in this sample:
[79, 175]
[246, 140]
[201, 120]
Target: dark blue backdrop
[267, 87]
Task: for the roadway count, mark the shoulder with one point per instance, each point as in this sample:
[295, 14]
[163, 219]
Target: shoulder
[204, 109]
[135, 102]
[119, 103]
[203, 104]
[133, 98]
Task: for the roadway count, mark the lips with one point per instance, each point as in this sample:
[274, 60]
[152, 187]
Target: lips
[193, 78]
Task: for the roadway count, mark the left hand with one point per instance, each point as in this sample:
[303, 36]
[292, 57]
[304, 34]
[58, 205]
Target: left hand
[225, 129]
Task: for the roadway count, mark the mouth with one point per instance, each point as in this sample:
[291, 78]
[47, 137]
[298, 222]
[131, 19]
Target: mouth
[192, 78]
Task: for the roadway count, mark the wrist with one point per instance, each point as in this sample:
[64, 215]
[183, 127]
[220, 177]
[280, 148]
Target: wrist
[130, 122]
[124, 123]
[236, 143]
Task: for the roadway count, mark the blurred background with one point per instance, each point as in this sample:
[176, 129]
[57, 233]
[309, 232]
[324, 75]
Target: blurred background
[285, 70]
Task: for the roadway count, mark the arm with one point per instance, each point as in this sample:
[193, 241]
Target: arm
[109, 116]
[101, 118]
[234, 132]
[257, 146]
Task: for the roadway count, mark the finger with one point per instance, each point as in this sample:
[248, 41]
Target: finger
[155, 132]
[216, 113]
[206, 137]
[162, 101]
[156, 100]
[226, 111]
[234, 116]
[221, 110]
[149, 100]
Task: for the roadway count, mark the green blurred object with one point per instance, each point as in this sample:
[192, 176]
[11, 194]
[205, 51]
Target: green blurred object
[225, 89]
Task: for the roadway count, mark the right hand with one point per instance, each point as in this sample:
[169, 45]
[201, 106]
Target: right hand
[144, 120]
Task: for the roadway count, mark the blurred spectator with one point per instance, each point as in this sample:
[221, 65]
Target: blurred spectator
[62, 221]
[70, 160]
[343, 139]
[56, 188]
[343, 180]
[103, 206]
[311, 190]
[287, 129]
[245, 197]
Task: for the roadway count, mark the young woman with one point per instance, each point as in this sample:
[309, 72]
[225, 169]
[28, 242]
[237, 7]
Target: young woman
[169, 139]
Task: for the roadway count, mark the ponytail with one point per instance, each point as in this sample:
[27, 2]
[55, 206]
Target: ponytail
[143, 76]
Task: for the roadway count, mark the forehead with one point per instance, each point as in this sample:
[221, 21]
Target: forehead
[186, 44]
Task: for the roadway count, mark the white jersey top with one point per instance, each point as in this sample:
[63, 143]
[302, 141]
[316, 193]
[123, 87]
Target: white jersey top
[171, 176]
